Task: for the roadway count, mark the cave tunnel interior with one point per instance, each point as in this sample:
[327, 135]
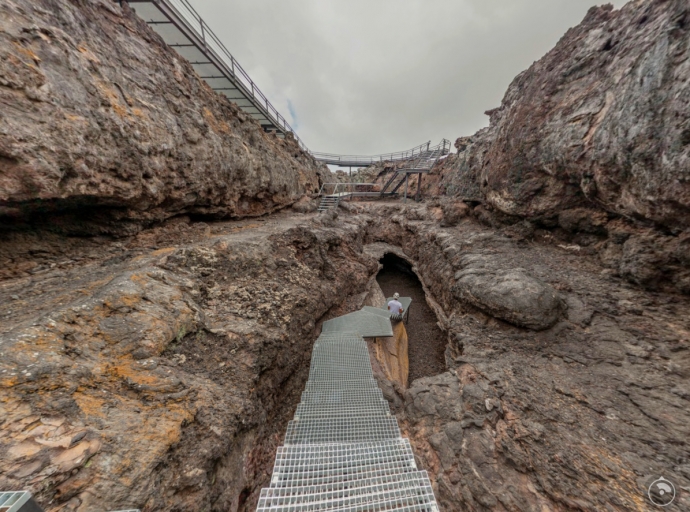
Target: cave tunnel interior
[426, 341]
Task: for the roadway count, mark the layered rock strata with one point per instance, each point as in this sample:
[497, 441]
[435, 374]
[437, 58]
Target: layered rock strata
[197, 350]
[600, 123]
[161, 382]
[103, 128]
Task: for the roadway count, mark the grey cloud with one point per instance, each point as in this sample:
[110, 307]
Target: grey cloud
[372, 76]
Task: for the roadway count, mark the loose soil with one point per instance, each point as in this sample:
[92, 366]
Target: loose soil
[426, 342]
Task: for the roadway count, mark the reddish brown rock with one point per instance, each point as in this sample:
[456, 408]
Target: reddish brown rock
[105, 125]
[604, 118]
[598, 128]
[453, 212]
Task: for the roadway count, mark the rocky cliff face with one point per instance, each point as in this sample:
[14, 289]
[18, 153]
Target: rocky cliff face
[103, 128]
[603, 118]
[160, 371]
[601, 122]
[165, 380]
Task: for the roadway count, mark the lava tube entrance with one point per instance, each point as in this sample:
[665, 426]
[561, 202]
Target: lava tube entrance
[426, 342]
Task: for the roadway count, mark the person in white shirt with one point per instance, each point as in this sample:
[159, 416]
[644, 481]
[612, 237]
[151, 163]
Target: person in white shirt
[395, 306]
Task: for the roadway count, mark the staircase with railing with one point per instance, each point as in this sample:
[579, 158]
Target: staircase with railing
[421, 164]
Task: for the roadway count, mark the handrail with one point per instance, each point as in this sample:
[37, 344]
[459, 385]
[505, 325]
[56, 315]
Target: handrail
[354, 160]
[382, 157]
[189, 22]
[344, 185]
[215, 46]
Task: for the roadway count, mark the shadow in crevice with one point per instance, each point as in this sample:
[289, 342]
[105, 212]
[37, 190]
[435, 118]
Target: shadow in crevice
[426, 341]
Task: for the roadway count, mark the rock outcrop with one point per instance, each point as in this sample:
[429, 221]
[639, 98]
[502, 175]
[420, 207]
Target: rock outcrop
[195, 345]
[600, 124]
[603, 119]
[146, 382]
[511, 295]
[103, 128]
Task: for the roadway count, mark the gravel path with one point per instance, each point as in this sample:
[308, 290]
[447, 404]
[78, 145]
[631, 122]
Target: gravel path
[427, 343]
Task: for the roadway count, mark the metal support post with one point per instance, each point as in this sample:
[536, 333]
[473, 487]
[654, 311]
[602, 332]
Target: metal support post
[418, 196]
[407, 179]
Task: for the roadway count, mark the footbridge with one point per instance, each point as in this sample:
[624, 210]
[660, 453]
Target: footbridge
[421, 163]
[343, 450]
[186, 32]
[182, 29]
[365, 161]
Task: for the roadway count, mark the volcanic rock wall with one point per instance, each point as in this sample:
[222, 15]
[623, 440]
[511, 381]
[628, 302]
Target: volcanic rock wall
[597, 130]
[161, 371]
[103, 128]
[165, 381]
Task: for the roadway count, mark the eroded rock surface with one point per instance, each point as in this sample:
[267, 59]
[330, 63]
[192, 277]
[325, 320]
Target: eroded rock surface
[166, 384]
[108, 129]
[195, 343]
[595, 132]
[603, 117]
[510, 295]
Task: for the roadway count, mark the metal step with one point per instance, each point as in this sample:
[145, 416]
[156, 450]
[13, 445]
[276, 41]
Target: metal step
[403, 489]
[312, 411]
[342, 430]
[343, 451]
[342, 396]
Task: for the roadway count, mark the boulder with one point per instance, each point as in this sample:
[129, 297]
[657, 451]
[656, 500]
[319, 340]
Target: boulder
[643, 259]
[583, 220]
[511, 295]
[453, 212]
[305, 205]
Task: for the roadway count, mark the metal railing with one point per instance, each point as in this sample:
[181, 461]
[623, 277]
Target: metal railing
[197, 30]
[185, 18]
[330, 189]
[362, 160]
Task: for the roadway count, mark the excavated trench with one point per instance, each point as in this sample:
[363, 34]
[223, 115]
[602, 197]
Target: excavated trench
[209, 331]
[426, 348]
[426, 342]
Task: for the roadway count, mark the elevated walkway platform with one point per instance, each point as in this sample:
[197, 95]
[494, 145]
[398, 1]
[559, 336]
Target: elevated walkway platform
[367, 160]
[332, 193]
[187, 33]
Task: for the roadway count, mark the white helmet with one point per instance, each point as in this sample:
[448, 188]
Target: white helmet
[396, 295]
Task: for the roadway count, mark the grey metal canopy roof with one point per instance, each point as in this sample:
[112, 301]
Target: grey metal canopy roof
[377, 311]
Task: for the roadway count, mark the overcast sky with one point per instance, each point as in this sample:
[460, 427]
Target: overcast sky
[376, 76]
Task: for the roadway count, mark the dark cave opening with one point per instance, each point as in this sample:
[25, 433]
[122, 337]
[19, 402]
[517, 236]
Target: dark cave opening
[426, 341]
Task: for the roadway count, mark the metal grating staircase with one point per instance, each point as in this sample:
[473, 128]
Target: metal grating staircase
[421, 164]
[329, 202]
[343, 450]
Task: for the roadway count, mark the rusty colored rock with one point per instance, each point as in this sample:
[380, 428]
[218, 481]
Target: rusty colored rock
[109, 129]
[601, 119]
[392, 354]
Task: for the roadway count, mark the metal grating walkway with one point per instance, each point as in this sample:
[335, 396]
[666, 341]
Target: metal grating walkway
[186, 32]
[343, 450]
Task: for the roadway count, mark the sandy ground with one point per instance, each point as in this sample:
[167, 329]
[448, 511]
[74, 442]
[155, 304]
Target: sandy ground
[426, 341]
